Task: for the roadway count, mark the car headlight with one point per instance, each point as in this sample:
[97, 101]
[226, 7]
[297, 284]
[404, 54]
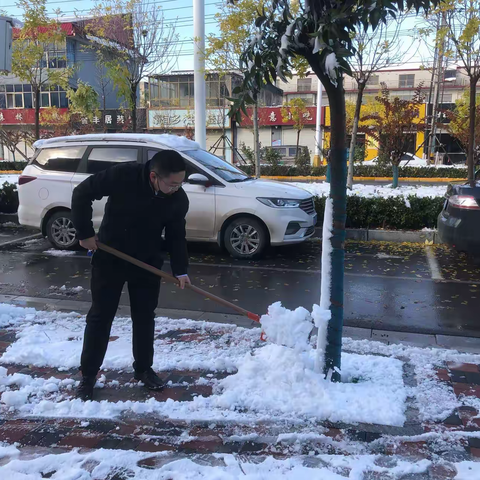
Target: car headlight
[279, 202]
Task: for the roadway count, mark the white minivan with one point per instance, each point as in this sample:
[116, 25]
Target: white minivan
[239, 212]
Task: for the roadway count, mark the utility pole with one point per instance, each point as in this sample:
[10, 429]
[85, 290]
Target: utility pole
[318, 130]
[199, 73]
[436, 92]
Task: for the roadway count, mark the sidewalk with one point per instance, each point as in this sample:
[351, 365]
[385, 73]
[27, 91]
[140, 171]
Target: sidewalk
[190, 431]
[454, 342]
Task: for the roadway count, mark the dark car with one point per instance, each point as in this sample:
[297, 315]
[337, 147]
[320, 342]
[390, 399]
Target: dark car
[459, 221]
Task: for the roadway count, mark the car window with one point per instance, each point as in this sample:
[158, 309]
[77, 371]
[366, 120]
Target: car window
[190, 168]
[60, 159]
[218, 166]
[102, 158]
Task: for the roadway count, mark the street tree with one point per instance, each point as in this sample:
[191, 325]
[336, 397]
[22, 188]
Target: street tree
[461, 26]
[321, 33]
[459, 126]
[296, 110]
[374, 50]
[32, 59]
[139, 42]
[391, 127]
[11, 139]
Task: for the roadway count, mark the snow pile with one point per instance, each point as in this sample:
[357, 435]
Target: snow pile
[66, 290]
[282, 382]
[322, 189]
[284, 327]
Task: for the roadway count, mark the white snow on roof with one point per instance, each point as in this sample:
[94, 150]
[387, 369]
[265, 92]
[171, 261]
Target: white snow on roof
[171, 141]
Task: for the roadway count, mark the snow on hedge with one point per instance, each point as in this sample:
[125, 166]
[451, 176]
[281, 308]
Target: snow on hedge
[322, 189]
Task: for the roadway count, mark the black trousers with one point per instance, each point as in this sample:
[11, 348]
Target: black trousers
[108, 279]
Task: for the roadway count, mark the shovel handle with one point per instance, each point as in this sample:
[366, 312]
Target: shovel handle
[171, 279]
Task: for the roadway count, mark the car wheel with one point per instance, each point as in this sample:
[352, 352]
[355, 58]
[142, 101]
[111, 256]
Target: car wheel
[60, 231]
[245, 237]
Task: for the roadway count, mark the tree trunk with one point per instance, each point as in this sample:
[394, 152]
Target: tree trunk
[104, 112]
[37, 112]
[256, 139]
[471, 129]
[338, 194]
[297, 154]
[395, 176]
[133, 106]
[353, 142]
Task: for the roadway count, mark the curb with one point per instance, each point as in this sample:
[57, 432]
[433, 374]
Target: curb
[394, 236]
[368, 179]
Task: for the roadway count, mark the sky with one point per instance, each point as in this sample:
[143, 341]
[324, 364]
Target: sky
[181, 13]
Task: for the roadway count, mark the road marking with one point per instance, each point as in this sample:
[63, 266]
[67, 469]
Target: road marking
[23, 239]
[433, 264]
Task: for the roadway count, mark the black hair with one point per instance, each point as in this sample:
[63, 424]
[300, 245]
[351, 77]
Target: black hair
[167, 162]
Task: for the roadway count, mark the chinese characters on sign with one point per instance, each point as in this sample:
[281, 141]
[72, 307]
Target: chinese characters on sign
[19, 117]
[272, 117]
[2, 118]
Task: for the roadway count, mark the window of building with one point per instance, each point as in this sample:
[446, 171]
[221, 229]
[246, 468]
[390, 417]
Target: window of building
[55, 56]
[373, 80]
[53, 96]
[178, 91]
[406, 81]
[304, 84]
[404, 96]
[447, 98]
[450, 75]
[16, 96]
[308, 98]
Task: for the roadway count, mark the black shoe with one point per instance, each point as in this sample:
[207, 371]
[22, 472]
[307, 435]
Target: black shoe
[85, 389]
[150, 379]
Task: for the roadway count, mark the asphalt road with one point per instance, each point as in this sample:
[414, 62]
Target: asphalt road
[399, 287]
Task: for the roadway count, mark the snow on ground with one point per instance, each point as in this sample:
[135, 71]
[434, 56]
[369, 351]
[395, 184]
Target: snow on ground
[12, 179]
[267, 381]
[322, 189]
[97, 464]
[60, 253]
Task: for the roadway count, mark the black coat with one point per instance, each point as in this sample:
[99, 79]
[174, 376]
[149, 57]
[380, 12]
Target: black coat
[134, 216]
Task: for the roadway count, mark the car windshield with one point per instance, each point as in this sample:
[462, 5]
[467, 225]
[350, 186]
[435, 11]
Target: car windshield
[218, 166]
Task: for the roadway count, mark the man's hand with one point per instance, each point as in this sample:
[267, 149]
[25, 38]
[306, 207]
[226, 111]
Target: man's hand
[89, 243]
[183, 280]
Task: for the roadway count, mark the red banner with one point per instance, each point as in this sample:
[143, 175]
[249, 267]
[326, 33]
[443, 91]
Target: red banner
[21, 116]
[273, 116]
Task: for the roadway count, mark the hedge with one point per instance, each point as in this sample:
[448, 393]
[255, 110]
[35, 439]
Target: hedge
[391, 213]
[17, 166]
[8, 198]
[362, 212]
[361, 171]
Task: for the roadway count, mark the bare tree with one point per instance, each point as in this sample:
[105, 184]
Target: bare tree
[461, 26]
[373, 52]
[141, 41]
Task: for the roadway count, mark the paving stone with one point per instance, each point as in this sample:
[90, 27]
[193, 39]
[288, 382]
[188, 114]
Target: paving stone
[108, 442]
[154, 447]
[33, 439]
[463, 367]
[12, 434]
[77, 441]
[128, 444]
[160, 461]
[465, 389]
[443, 375]
[474, 442]
[442, 472]
[453, 420]
[458, 377]
[475, 452]
[405, 338]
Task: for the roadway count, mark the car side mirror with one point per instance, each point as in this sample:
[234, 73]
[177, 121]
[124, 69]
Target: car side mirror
[198, 179]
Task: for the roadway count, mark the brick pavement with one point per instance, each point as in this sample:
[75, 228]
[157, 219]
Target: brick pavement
[150, 434]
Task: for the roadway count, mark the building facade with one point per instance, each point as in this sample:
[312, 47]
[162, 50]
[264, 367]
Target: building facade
[77, 50]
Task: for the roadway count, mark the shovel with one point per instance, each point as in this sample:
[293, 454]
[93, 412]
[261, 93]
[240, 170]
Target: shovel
[171, 279]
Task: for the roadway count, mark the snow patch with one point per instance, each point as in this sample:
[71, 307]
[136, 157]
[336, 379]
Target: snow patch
[59, 253]
[331, 68]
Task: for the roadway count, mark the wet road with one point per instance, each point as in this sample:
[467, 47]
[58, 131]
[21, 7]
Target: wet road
[388, 286]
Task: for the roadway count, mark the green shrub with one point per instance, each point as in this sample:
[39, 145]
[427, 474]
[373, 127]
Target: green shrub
[8, 198]
[363, 171]
[18, 166]
[388, 213]
[303, 162]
